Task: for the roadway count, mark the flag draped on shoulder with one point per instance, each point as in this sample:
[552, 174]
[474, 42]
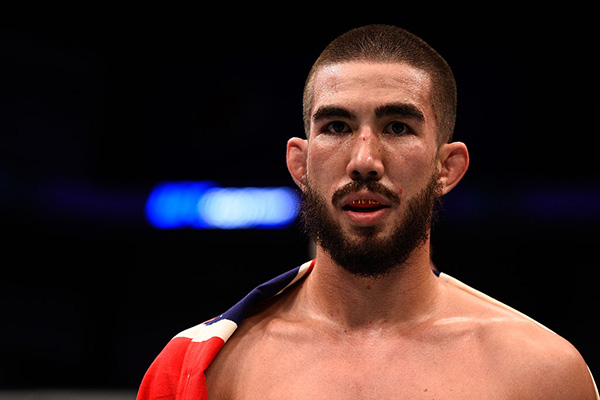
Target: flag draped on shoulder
[177, 373]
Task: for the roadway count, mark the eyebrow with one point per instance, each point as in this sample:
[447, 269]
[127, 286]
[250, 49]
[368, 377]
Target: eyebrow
[404, 110]
[327, 112]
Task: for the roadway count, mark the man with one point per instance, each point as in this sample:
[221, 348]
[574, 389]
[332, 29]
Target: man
[370, 318]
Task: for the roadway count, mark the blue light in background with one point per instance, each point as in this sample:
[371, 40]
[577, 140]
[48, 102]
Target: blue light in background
[205, 205]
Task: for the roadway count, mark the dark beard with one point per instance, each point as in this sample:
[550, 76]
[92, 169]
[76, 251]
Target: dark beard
[373, 257]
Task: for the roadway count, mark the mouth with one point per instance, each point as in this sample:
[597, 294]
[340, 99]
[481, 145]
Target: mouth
[364, 205]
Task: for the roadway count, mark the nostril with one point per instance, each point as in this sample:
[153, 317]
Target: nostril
[370, 174]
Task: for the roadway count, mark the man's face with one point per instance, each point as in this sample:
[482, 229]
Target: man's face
[372, 167]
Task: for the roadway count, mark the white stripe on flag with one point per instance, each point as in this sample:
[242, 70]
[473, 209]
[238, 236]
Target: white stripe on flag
[223, 328]
[301, 272]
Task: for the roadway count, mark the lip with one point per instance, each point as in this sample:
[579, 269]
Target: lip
[366, 218]
[379, 203]
[365, 195]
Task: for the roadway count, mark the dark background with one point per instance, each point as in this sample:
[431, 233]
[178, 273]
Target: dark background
[98, 106]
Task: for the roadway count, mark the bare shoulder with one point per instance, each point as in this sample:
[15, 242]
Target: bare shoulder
[540, 363]
[535, 361]
[247, 352]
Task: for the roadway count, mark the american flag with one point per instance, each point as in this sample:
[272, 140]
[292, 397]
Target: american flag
[178, 371]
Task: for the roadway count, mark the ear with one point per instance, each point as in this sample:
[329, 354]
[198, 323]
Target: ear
[454, 160]
[296, 159]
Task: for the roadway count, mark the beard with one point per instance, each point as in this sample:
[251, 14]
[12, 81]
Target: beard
[371, 256]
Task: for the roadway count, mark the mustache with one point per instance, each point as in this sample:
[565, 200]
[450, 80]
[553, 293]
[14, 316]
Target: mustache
[372, 186]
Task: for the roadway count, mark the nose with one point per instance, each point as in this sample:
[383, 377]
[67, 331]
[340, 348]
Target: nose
[366, 158]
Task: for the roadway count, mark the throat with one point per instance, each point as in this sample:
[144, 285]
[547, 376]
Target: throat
[348, 301]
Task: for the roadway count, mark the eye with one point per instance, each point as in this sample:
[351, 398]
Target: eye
[397, 128]
[336, 127]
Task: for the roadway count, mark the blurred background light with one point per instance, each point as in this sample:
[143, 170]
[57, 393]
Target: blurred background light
[92, 118]
[205, 205]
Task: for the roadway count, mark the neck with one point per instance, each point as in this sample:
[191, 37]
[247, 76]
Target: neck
[403, 297]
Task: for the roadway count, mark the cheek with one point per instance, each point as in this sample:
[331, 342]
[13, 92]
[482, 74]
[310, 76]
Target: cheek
[317, 176]
[326, 160]
[409, 170]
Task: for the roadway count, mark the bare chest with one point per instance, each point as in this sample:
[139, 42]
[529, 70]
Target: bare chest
[372, 369]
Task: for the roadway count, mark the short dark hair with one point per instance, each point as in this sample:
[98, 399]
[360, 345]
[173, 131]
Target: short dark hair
[390, 44]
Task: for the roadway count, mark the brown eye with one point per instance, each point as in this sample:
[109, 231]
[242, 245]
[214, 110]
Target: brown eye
[337, 127]
[397, 128]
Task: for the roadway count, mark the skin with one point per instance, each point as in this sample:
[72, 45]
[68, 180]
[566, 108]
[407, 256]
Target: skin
[408, 335]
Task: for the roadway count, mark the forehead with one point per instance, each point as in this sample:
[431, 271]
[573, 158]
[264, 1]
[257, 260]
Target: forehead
[368, 85]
